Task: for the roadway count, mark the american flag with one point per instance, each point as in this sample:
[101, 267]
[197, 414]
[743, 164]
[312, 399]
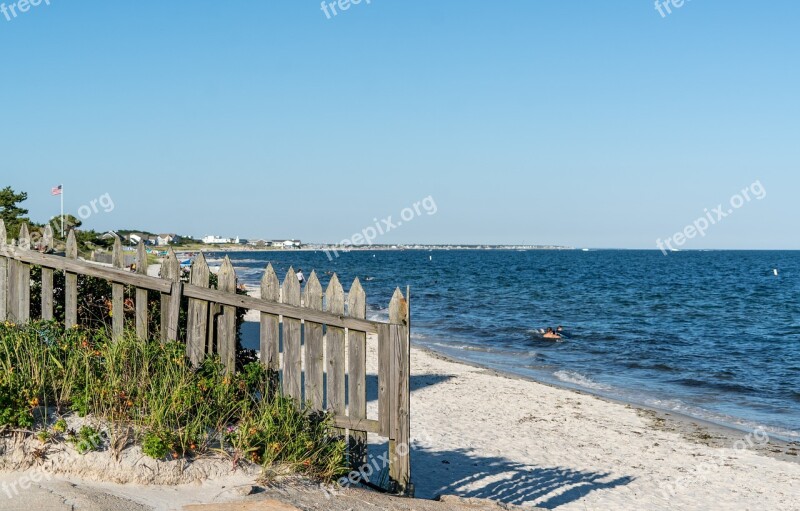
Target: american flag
[57, 190]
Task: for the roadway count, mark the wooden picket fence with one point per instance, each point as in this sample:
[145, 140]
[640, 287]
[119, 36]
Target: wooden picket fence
[315, 341]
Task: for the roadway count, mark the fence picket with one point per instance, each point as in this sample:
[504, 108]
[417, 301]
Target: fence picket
[24, 278]
[314, 346]
[47, 276]
[141, 294]
[357, 375]
[71, 285]
[171, 271]
[226, 327]
[4, 263]
[292, 347]
[335, 350]
[400, 426]
[270, 323]
[117, 293]
[197, 316]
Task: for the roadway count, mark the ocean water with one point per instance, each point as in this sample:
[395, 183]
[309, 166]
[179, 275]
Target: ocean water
[715, 335]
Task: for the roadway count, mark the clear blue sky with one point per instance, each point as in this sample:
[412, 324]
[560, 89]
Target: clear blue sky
[568, 122]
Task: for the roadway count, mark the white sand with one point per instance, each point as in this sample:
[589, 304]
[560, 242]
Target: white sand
[485, 435]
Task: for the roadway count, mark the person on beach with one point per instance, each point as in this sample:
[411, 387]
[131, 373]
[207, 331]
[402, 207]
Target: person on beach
[301, 277]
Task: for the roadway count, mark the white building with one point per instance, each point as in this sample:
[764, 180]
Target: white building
[286, 244]
[163, 240]
[215, 240]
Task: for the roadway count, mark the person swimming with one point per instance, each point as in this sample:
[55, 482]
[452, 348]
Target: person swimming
[551, 334]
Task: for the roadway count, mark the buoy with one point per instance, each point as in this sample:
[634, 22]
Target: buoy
[775, 271]
[430, 258]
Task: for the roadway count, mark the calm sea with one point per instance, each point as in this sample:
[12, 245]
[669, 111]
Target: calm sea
[715, 335]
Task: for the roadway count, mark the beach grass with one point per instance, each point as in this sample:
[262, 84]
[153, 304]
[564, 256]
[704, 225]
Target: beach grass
[147, 393]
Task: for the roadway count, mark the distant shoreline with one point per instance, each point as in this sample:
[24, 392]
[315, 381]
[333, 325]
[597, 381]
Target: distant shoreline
[364, 248]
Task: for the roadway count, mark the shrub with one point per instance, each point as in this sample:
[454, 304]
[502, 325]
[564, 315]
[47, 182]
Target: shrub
[86, 440]
[14, 408]
[174, 409]
[154, 446]
[60, 426]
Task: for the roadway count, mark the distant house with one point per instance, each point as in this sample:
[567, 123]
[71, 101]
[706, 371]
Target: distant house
[110, 235]
[135, 238]
[258, 243]
[163, 240]
[286, 243]
[216, 240]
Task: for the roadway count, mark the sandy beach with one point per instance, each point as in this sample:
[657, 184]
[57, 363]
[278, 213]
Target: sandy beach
[478, 433]
[482, 434]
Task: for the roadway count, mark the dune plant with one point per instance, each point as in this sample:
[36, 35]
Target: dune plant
[173, 409]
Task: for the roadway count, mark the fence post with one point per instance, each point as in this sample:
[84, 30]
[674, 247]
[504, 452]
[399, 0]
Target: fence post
[270, 323]
[197, 321]
[71, 285]
[117, 294]
[357, 374]
[226, 339]
[400, 429]
[24, 278]
[292, 354]
[141, 294]
[3, 271]
[336, 350]
[170, 270]
[315, 349]
[47, 277]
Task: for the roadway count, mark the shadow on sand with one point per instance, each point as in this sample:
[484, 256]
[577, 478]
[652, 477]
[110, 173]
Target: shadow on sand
[466, 474]
[469, 475]
[418, 381]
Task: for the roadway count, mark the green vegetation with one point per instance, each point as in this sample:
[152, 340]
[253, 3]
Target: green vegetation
[95, 311]
[149, 392]
[86, 440]
[13, 215]
[10, 211]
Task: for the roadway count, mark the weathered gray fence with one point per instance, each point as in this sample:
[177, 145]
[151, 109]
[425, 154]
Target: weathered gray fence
[315, 341]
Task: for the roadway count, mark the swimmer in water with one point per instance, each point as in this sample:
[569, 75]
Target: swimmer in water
[550, 334]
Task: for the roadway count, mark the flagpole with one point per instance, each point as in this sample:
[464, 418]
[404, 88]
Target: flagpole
[62, 211]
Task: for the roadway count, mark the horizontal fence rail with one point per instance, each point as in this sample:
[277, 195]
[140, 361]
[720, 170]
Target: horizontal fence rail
[315, 341]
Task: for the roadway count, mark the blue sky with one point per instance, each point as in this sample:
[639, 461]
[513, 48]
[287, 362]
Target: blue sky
[580, 123]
